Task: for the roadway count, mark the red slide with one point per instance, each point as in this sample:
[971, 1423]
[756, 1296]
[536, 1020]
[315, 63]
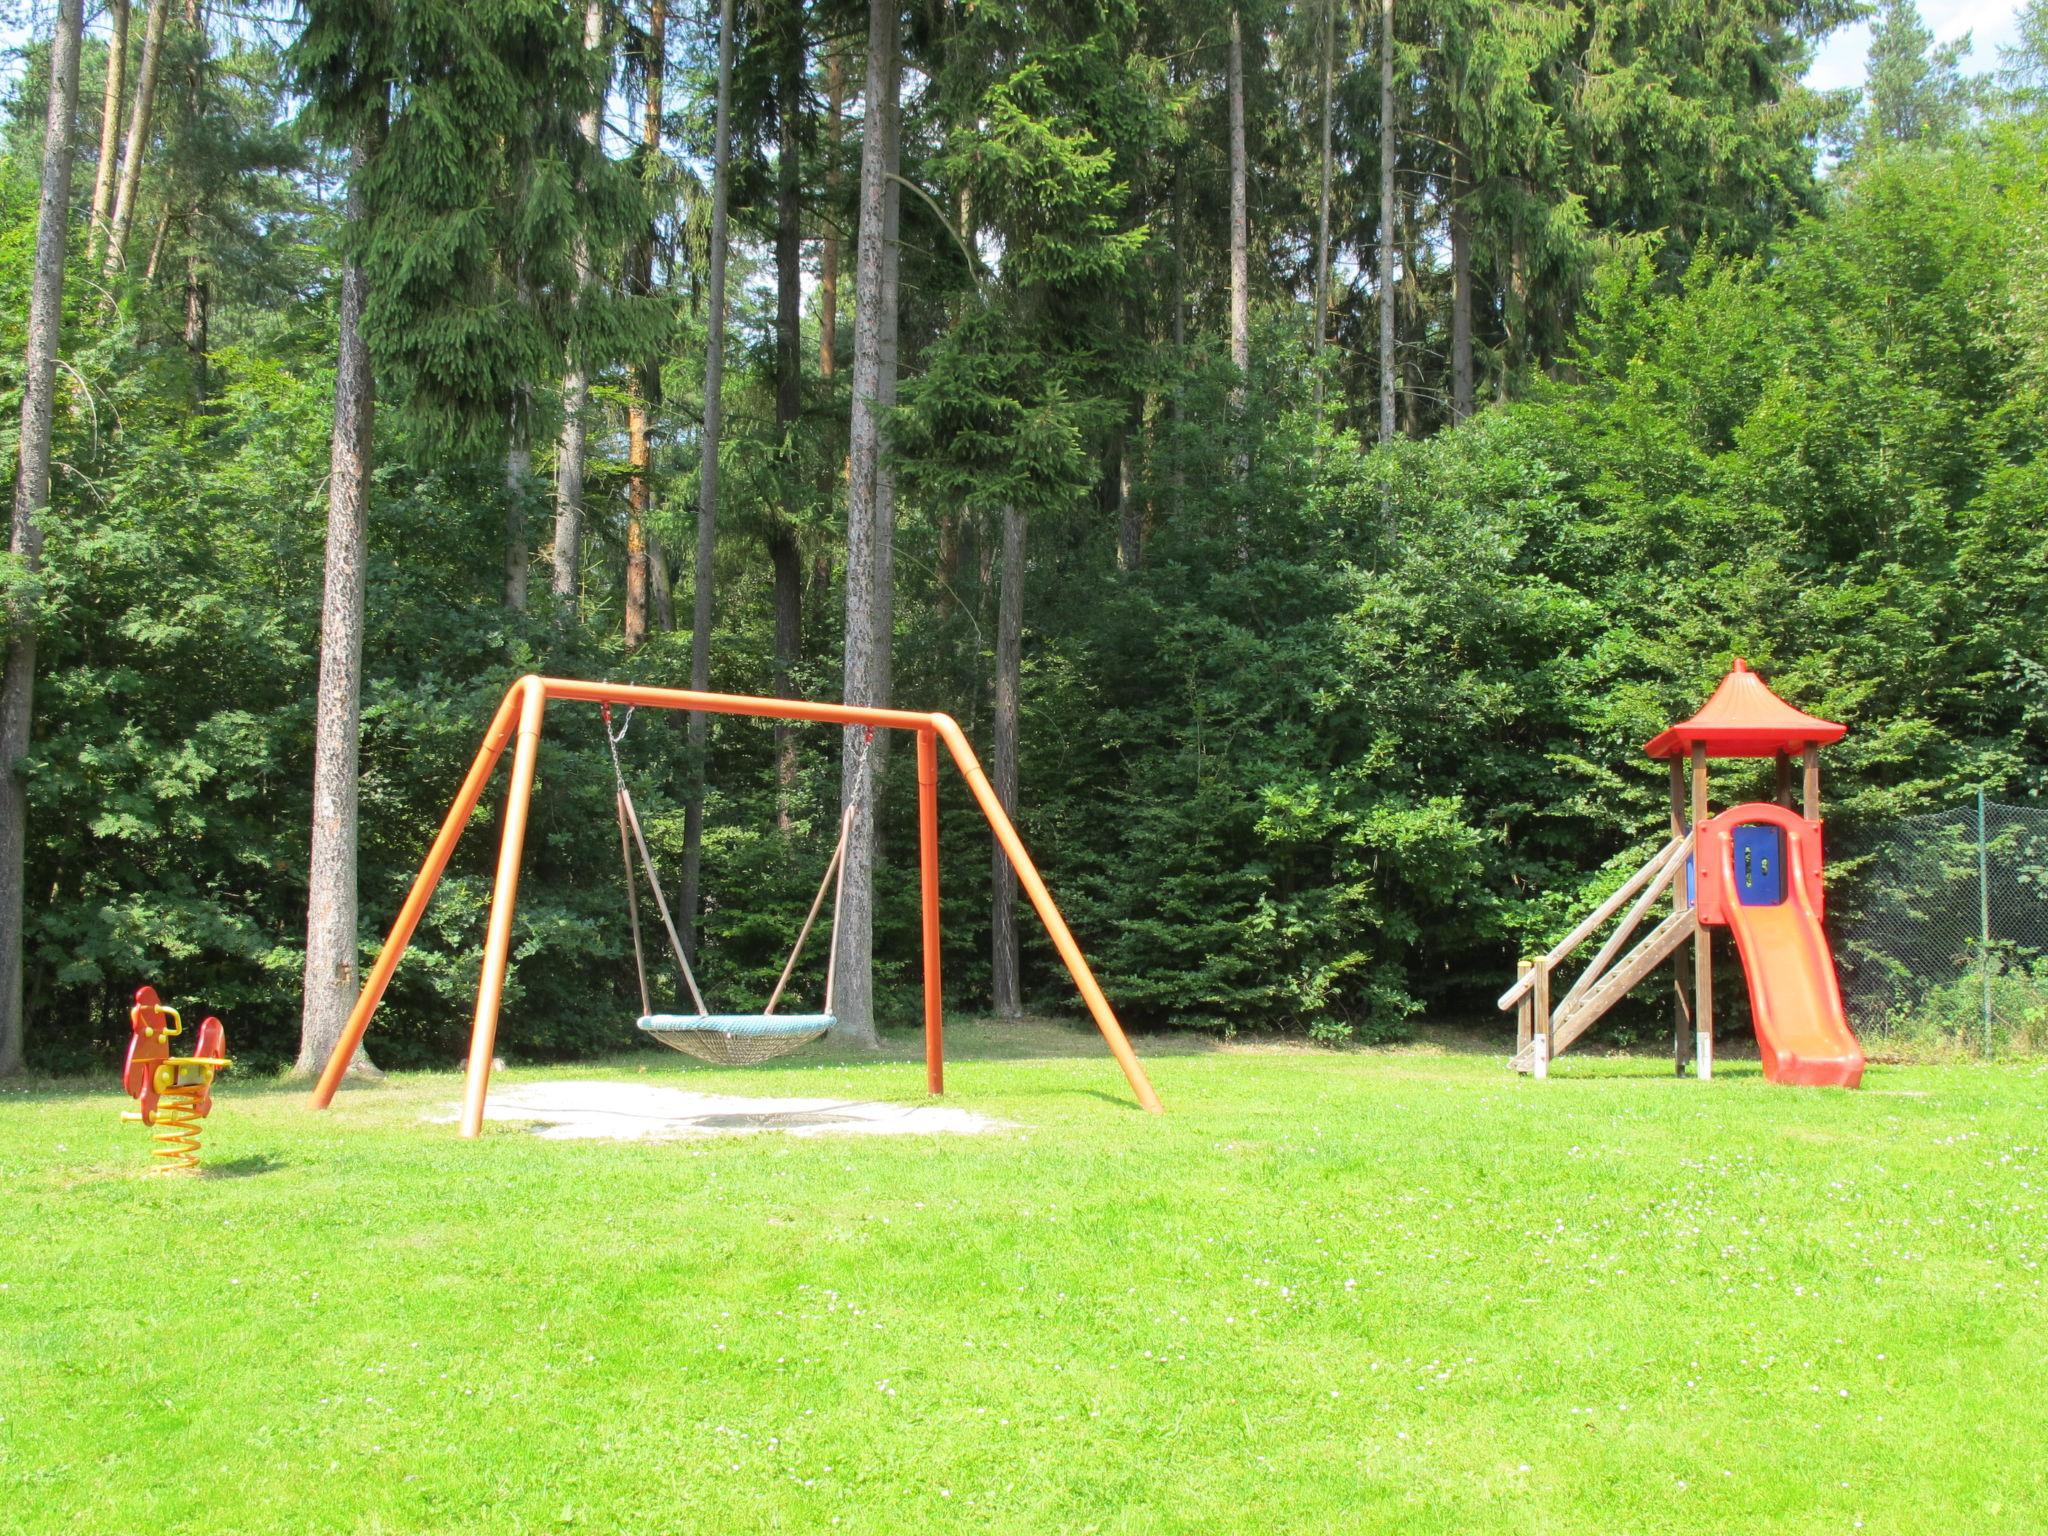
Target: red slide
[1801, 1030]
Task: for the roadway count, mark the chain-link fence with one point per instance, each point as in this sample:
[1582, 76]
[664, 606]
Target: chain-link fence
[1941, 929]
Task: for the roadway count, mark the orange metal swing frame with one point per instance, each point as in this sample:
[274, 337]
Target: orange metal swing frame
[520, 716]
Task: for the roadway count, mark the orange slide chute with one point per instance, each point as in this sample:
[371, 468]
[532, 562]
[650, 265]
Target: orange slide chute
[1802, 1032]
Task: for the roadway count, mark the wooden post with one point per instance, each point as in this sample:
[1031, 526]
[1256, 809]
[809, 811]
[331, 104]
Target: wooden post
[1525, 1013]
[1539, 996]
[1811, 761]
[1681, 962]
[1784, 796]
[1703, 941]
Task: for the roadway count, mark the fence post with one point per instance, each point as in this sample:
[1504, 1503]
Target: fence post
[1984, 916]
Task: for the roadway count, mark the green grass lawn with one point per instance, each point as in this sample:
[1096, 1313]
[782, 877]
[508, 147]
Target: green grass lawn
[1326, 1292]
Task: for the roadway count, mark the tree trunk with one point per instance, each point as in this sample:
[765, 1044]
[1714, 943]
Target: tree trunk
[645, 380]
[854, 933]
[661, 596]
[885, 467]
[1323, 203]
[1130, 511]
[518, 488]
[331, 945]
[138, 140]
[1386, 272]
[1005, 994]
[110, 129]
[828, 260]
[707, 480]
[31, 500]
[566, 557]
[198, 308]
[1240, 229]
[1461, 288]
[784, 556]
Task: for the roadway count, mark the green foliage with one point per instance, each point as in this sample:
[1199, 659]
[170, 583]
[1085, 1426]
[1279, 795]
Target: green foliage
[1359, 728]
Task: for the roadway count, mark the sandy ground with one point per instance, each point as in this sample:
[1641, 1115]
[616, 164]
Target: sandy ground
[644, 1111]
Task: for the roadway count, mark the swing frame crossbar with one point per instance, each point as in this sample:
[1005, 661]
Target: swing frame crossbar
[518, 724]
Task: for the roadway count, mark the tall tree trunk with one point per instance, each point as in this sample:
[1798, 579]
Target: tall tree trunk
[31, 500]
[1323, 202]
[828, 259]
[661, 596]
[518, 491]
[707, 480]
[1240, 230]
[198, 308]
[110, 129]
[1005, 993]
[1386, 273]
[138, 139]
[1130, 511]
[854, 933]
[885, 466]
[1461, 287]
[645, 380]
[566, 556]
[785, 558]
[331, 946]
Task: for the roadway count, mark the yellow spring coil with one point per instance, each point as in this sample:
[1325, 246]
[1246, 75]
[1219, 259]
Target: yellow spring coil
[177, 1128]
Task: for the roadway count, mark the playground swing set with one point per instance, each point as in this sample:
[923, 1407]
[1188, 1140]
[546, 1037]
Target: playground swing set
[735, 1039]
[1755, 869]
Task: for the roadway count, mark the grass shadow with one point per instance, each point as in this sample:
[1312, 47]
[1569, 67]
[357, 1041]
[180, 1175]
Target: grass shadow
[248, 1166]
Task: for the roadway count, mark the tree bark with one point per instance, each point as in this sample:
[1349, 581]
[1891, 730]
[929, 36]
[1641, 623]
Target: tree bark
[885, 467]
[31, 500]
[784, 556]
[1130, 511]
[1323, 203]
[1386, 263]
[198, 308]
[331, 944]
[566, 555]
[518, 488]
[854, 932]
[707, 480]
[110, 129]
[1240, 229]
[1461, 288]
[828, 260]
[645, 380]
[138, 139]
[1005, 992]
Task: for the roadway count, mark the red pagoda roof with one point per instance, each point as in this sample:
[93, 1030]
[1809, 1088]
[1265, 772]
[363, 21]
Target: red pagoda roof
[1745, 719]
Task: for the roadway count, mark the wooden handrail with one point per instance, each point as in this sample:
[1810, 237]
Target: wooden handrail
[1623, 929]
[1600, 914]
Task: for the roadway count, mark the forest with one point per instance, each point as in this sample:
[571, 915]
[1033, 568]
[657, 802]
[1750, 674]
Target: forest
[1309, 445]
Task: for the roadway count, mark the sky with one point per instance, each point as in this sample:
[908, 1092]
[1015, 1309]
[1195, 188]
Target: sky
[1989, 23]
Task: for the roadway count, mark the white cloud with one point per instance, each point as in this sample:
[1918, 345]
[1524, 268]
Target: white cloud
[1990, 23]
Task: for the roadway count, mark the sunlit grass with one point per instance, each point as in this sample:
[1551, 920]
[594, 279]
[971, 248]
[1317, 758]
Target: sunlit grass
[1377, 1291]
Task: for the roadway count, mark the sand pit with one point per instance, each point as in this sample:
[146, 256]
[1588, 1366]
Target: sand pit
[618, 1111]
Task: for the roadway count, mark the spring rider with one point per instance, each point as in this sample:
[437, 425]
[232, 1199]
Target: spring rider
[174, 1093]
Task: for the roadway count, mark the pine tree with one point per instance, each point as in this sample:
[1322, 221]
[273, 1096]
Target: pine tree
[1914, 90]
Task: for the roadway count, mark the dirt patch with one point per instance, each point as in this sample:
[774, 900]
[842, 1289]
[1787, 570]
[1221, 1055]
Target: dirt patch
[612, 1111]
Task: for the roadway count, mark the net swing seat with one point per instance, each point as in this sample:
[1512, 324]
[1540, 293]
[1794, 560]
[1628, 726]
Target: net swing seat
[730, 1039]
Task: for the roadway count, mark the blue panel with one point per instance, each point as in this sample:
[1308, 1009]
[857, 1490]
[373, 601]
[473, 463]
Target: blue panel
[1759, 865]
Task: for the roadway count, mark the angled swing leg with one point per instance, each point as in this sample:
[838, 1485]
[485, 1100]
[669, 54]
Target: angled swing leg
[504, 898]
[421, 893]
